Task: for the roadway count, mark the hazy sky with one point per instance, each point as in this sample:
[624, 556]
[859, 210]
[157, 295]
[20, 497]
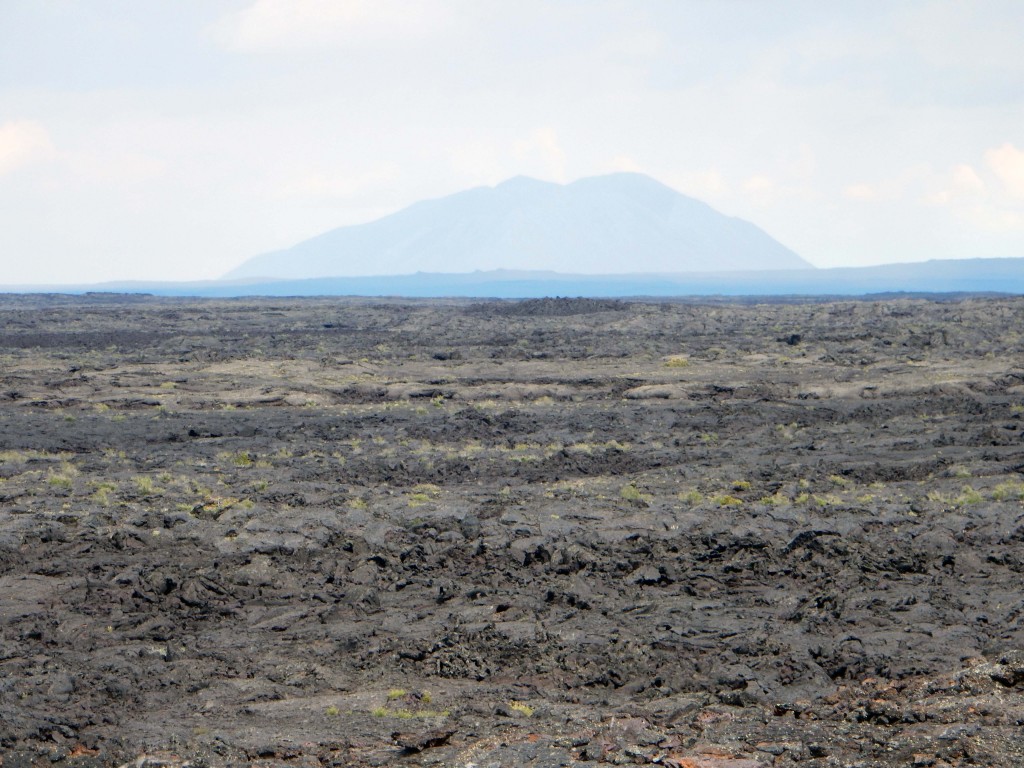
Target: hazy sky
[172, 139]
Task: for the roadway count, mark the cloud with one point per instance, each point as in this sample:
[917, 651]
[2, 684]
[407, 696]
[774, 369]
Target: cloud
[757, 185]
[478, 161]
[894, 188]
[626, 164]
[708, 184]
[764, 191]
[861, 191]
[267, 25]
[1007, 163]
[339, 186]
[542, 150]
[23, 142]
[962, 182]
[989, 198]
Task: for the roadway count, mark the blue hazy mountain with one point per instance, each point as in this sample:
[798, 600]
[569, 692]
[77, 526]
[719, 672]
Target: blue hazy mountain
[929, 278]
[614, 224]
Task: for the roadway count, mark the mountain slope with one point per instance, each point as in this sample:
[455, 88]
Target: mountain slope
[613, 224]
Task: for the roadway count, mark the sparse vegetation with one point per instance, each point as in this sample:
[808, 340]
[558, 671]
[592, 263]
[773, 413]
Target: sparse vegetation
[101, 493]
[239, 458]
[692, 496]
[521, 708]
[1009, 491]
[403, 713]
[629, 492]
[542, 564]
[969, 496]
[727, 500]
[60, 482]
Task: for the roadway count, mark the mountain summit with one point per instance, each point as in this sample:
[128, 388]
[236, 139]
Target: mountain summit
[615, 224]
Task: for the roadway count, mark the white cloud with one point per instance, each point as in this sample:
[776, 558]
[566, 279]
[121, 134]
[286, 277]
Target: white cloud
[478, 162]
[861, 191]
[989, 199]
[706, 184]
[337, 186]
[624, 163]
[23, 142]
[1007, 163]
[893, 188]
[764, 191]
[757, 185]
[299, 24]
[962, 182]
[542, 151]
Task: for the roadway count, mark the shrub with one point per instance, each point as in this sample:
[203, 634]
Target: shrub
[725, 500]
[629, 492]
[1008, 491]
[692, 496]
[61, 482]
[523, 709]
[969, 496]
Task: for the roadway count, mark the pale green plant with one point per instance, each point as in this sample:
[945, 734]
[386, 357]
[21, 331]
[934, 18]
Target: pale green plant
[629, 492]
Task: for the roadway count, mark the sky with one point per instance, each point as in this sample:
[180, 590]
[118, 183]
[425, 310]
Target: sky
[173, 139]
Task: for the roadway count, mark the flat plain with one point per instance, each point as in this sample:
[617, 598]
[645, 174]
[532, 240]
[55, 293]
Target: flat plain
[313, 532]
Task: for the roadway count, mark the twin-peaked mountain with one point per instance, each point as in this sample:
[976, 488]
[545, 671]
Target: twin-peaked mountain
[616, 224]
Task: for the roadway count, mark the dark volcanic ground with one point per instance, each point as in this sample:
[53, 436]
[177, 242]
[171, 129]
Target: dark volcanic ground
[330, 532]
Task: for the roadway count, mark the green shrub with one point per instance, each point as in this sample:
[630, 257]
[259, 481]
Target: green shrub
[725, 500]
[692, 496]
[523, 709]
[629, 492]
[969, 496]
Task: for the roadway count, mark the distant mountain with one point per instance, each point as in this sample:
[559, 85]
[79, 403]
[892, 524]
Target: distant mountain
[946, 277]
[615, 224]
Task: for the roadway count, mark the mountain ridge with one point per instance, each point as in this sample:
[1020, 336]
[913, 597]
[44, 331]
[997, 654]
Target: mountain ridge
[938, 276]
[612, 224]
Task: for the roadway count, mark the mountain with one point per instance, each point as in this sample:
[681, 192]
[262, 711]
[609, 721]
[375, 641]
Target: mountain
[946, 277]
[614, 224]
